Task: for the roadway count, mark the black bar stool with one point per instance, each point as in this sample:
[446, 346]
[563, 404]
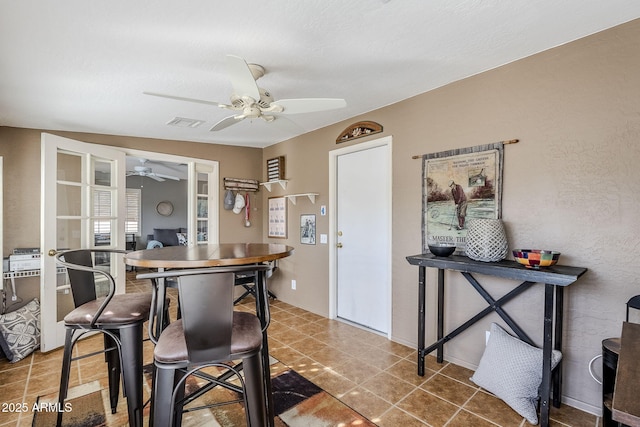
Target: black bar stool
[210, 333]
[119, 317]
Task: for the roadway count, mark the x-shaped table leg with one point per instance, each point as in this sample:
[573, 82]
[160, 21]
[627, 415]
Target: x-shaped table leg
[494, 305]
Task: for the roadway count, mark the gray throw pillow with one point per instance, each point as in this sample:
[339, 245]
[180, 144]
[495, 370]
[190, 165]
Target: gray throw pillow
[20, 331]
[512, 370]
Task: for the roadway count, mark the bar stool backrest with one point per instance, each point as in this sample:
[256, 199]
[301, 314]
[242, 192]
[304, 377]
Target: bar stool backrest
[634, 303]
[207, 315]
[83, 284]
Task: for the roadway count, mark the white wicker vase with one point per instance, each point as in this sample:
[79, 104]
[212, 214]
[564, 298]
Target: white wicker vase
[486, 240]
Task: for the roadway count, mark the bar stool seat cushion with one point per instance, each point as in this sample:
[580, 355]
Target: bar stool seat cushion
[246, 337]
[122, 309]
[512, 370]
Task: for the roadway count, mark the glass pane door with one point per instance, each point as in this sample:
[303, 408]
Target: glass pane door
[80, 209]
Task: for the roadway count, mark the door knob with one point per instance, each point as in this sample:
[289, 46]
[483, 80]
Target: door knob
[339, 245]
[52, 252]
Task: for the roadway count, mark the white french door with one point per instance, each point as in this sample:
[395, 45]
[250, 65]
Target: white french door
[82, 206]
[361, 229]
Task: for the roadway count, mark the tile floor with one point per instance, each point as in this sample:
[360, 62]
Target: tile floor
[375, 376]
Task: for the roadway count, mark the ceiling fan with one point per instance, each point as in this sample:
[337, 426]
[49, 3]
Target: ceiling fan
[251, 101]
[146, 171]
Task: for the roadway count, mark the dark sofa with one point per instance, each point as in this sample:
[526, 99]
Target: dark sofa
[166, 236]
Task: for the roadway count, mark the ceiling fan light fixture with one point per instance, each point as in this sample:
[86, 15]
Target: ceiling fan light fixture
[184, 122]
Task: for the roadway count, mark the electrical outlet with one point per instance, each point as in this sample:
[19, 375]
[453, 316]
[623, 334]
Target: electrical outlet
[293, 284]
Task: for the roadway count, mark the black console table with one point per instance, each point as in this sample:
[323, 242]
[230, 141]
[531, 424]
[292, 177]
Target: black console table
[555, 279]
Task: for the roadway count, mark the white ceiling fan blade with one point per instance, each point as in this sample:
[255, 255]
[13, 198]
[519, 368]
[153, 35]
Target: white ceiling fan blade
[226, 122]
[310, 105]
[155, 177]
[180, 98]
[160, 175]
[241, 77]
[286, 124]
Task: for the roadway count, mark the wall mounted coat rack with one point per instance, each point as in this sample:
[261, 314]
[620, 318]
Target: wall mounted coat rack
[239, 184]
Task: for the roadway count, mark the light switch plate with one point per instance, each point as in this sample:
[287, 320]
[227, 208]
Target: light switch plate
[323, 238]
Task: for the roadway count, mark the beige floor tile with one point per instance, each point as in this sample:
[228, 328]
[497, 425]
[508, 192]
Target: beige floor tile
[333, 383]
[427, 407]
[408, 371]
[395, 417]
[448, 389]
[309, 346]
[375, 376]
[459, 373]
[367, 403]
[467, 419]
[306, 366]
[388, 387]
[18, 375]
[572, 416]
[493, 409]
[356, 371]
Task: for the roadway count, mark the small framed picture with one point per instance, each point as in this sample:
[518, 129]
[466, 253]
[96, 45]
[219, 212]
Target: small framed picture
[308, 229]
[278, 217]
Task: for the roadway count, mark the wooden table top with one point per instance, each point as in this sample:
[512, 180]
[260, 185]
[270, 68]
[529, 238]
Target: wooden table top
[210, 255]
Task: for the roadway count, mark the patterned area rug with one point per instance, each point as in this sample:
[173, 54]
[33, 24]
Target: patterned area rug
[297, 403]
[83, 408]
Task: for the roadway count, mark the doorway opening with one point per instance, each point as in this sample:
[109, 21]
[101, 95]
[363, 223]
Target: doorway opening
[175, 193]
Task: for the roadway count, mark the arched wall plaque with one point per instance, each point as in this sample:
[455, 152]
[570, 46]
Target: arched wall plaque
[358, 130]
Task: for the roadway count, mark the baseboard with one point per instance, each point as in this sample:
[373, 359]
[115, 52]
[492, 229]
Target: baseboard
[586, 407]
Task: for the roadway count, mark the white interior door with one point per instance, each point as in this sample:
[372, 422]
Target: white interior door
[82, 206]
[363, 236]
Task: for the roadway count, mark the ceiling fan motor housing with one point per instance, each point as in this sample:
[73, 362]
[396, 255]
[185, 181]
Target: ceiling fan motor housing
[241, 102]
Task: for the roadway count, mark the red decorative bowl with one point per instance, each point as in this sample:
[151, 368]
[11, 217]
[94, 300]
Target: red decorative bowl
[536, 258]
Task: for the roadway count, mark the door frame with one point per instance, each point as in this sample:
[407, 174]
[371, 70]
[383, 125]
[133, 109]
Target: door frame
[333, 223]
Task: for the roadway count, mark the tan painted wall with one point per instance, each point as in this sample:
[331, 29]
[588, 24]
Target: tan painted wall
[570, 185]
[21, 151]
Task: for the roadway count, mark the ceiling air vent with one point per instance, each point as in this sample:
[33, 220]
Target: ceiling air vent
[185, 123]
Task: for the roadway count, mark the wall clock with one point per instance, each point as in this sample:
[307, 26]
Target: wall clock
[164, 208]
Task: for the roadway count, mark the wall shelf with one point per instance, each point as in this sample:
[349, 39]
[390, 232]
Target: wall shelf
[293, 197]
[282, 182]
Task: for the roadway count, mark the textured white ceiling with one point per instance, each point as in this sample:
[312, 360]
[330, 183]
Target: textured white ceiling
[82, 65]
